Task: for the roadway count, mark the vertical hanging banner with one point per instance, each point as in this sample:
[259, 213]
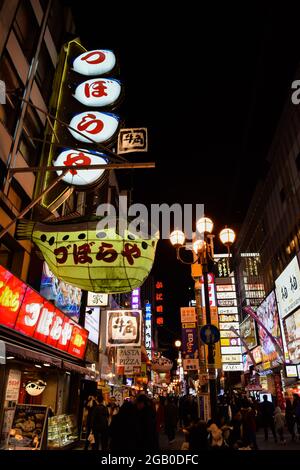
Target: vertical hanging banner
[159, 303]
[189, 340]
[148, 330]
[83, 98]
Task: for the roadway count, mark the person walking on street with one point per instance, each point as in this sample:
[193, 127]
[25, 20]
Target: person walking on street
[89, 408]
[248, 425]
[99, 424]
[279, 424]
[290, 418]
[146, 423]
[296, 410]
[123, 429]
[171, 419]
[267, 417]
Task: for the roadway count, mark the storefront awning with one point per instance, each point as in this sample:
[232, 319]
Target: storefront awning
[75, 368]
[30, 354]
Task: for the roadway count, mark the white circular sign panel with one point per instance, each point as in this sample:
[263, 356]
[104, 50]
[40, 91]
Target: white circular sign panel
[76, 158]
[98, 92]
[99, 127]
[95, 62]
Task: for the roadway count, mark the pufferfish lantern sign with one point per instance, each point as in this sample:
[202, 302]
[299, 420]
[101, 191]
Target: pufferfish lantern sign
[91, 259]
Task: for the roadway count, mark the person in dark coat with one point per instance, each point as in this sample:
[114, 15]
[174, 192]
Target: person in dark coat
[99, 424]
[171, 419]
[249, 425]
[267, 410]
[198, 436]
[123, 429]
[90, 405]
[296, 410]
[290, 418]
[146, 425]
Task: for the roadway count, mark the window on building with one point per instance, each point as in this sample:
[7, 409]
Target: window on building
[14, 89]
[282, 195]
[45, 73]
[26, 28]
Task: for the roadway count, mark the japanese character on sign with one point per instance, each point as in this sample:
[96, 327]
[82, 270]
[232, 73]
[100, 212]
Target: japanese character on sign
[132, 140]
[107, 253]
[90, 124]
[131, 251]
[123, 327]
[96, 89]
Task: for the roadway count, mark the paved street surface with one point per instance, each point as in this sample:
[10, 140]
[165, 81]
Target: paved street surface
[262, 444]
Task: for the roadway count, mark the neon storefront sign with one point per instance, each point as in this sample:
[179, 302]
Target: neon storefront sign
[27, 312]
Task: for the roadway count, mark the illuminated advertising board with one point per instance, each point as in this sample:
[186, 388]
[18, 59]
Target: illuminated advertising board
[26, 311]
[248, 332]
[92, 323]
[288, 288]
[148, 330]
[267, 313]
[65, 296]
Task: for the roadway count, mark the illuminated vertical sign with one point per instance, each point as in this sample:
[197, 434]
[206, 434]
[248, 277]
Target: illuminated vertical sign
[148, 330]
[135, 299]
[231, 350]
[159, 302]
[211, 290]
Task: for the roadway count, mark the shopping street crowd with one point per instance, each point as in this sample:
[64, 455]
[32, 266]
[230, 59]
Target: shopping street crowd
[139, 422]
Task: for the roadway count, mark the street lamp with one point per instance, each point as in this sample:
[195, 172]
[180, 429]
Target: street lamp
[204, 251]
[177, 343]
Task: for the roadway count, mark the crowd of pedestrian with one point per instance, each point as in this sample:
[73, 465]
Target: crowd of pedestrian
[139, 422]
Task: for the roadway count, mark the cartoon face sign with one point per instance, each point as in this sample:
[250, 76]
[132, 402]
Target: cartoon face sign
[35, 388]
[95, 62]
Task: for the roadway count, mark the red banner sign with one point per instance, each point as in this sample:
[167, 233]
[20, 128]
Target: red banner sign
[26, 311]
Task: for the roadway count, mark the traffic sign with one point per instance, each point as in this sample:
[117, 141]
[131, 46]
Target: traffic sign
[210, 334]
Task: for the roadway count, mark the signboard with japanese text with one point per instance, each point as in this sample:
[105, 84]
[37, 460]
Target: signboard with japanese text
[288, 288]
[32, 315]
[159, 302]
[190, 364]
[188, 314]
[84, 102]
[148, 330]
[133, 140]
[211, 290]
[248, 332]
[13, 385]
[124, 327]
[79, 251]
[129, 357]
[135, 298]
[97, 299]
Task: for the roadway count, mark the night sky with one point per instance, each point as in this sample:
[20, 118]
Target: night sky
[209, 84]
